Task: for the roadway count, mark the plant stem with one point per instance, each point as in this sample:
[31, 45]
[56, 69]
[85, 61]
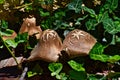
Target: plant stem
[19, 66]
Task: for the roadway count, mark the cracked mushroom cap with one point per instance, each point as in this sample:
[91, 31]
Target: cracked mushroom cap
[29, 25]
[78, 43]
[48, 47]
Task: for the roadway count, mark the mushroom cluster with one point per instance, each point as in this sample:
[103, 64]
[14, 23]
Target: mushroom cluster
[50, 46]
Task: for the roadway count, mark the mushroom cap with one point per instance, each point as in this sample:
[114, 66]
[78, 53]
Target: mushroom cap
[48, 47]
[78, 43]
[29, 25]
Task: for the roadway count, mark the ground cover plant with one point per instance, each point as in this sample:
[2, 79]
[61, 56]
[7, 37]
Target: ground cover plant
[60, 39]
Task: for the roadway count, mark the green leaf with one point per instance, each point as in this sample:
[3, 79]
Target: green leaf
[1, 1]
[111, 26]
[100, 57]
[77, 75]
[37, 70]
[76, 66]
[55, 68]
[75, 5]
[4, 24]
[97, 49]
[43, 14]
[59, 14]
[90, 24]
[62, 76]
[97, 53]
[7, 32]
[113, 59]
[91, 11]
[101, 17]
[28, 8]
[96, 77]
[80, 19]
[1, 47]
[11, 43]
[111, 5]
[22, 38]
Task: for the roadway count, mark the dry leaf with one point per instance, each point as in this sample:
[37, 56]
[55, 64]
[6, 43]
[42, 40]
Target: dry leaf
[10, 62]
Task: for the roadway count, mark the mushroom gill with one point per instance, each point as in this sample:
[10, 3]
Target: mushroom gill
[78, 43]
[29, 25]
[48, 48]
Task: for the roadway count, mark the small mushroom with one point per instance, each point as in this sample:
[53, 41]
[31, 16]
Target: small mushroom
[29, 25]
[48, 47]
[78, 43]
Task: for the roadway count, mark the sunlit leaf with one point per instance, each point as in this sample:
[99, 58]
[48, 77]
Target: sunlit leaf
[11, 43]
[1, 47]
[76, 66]
[97, 53]
[100, 57]
[62, 76]
[7, 32]
[113, 59]
[55, 68]
[98, 49]
[1, 1]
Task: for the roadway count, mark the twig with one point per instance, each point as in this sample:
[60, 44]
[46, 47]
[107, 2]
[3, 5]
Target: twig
[18, 7]
[19, 66]
[23, 73]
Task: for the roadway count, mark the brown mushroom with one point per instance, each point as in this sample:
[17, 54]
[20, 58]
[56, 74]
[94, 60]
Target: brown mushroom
[29, 25]
[12, 36]
[78, 43]
[48, 47]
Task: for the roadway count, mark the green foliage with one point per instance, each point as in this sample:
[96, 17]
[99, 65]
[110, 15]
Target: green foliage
[1, 1]
[78, 75]
[96, 77]
[7, 32]
[101, 20]
[76, 66]
[97, 54]
[37, 70]
[55, 68]
[75, 5]
[111, 5]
